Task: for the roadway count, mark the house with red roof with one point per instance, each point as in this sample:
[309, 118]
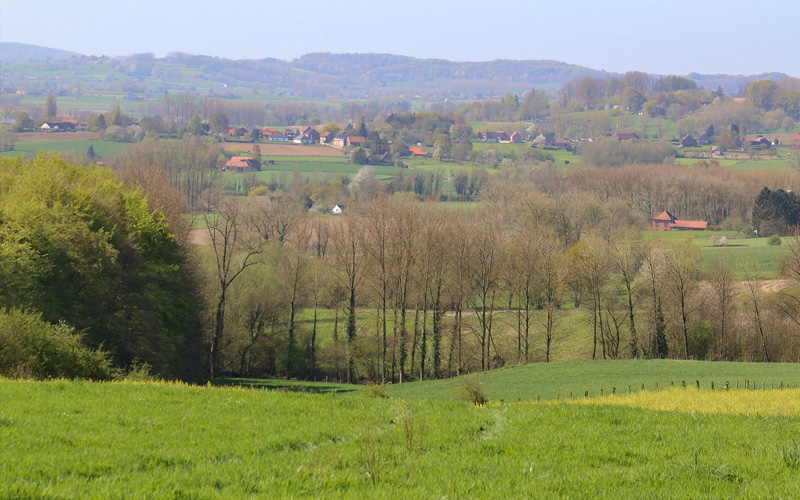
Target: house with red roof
[417, 151]
[326, 137]
[243, 164]
[665, 221]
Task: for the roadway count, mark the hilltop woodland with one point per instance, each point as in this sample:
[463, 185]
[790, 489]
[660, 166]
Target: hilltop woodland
[395, 289]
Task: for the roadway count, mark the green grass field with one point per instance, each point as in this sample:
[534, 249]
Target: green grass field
[103, 149]
[548, 380]
[754, 253]
[157, 441]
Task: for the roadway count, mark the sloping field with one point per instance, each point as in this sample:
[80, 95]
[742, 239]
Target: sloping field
[158, 441]
[275, 149]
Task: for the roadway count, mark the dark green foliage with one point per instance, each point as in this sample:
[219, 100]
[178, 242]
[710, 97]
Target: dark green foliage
[700, 337]
[774, 212]
[79, 248]
[33, 348]
[659, 349]
[359, 157]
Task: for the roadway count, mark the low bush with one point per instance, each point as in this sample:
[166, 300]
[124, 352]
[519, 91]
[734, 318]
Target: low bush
[472, 390]
[32, 348]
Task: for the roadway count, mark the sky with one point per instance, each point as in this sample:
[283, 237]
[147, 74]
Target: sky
[657, 37]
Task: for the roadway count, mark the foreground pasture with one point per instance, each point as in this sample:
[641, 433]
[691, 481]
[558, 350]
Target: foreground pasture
[121, 440]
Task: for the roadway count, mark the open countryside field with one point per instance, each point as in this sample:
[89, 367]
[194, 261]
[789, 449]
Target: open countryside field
[284, 149]
[76, 143]
[761, 259]
[153, 440]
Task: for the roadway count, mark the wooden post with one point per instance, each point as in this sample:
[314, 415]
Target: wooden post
[570, 395]
[781, 384]
[613, 390]
[737, 384]
[698, 383]
[557, 397]
[671, 383]
[629, 388]
[656, 386]
[712, 385]
[683, 384]
[585, 394]
[642, 387]
[538, 398]
[519, 399]
[746, 385]
[601, 392]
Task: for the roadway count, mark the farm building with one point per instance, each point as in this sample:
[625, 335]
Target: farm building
[418, 152]
[689, 142]
[665, 221]
[242, 164]
[65, 126]
[621, 136]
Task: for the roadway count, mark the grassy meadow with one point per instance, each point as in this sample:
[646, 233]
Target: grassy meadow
[127, 440]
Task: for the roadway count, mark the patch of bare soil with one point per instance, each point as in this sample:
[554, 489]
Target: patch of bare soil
[198, 237]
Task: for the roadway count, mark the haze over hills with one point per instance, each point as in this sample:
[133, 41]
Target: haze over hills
[17, 52]
[320, 75]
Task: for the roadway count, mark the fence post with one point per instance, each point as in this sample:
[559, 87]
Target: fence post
[698, 383]
[585, 394]
[712, 385]
[613, 390]
[601, 392]
[538, 398]
[683, 384]
[656, 386]
[629, 388]
[642, 387]
[557, 396]
[671, 383]
[570, 395]
[781, 384]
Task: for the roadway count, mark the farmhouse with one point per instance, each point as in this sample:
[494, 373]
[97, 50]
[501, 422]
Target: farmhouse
[326, 138]
[340, 140]
[757, 142]
[689, 142]
[665, 221]
[354, 140]
[418, 152]
[242, 164]
[621, 136]
[57, 127]
[278, 137]
[515, 138]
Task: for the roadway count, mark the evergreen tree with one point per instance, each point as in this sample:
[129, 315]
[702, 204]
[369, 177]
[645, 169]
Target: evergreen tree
[90, 153]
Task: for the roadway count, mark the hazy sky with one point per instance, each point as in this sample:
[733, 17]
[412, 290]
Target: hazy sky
[665, 37]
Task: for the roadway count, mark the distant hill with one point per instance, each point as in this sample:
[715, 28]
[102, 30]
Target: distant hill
[314, 75]
[17, 52]
[732, 83]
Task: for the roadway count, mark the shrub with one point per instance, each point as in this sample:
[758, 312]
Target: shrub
[32, 348]
[774, 240]
[376, 391]
[472, 390]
